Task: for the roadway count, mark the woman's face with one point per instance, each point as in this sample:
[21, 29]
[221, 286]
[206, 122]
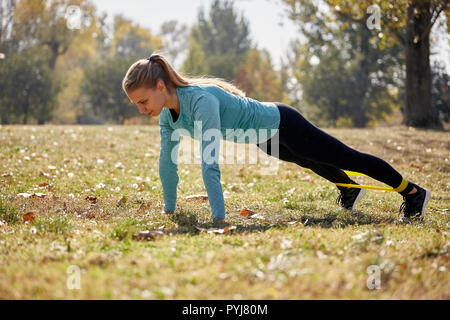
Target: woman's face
[150, 101]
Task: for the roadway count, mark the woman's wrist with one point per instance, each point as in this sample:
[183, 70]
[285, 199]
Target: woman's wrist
[168, 212]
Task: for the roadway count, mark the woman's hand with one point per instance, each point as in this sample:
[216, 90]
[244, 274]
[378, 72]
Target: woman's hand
[167, 212]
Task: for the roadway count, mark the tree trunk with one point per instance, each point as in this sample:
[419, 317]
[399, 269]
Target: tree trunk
[54, 52]
[419, 111]
[25, 114]
[360, 118]
[26, 108]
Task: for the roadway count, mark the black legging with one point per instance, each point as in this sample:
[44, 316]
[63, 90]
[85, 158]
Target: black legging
[303, 143]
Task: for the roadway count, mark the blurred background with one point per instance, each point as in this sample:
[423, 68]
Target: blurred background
[342, 63]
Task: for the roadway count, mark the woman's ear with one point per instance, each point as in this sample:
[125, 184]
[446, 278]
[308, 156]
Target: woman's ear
[160, 85]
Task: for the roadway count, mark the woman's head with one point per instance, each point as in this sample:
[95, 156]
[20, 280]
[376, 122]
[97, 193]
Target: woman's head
[147, 85]
[145, 73]
[154, 78]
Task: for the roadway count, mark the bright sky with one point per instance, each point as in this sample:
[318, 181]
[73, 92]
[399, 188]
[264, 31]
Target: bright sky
[263, 16]
[269, 27]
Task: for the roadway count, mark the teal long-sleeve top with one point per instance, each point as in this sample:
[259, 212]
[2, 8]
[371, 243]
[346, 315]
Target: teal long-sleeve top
[208, 113]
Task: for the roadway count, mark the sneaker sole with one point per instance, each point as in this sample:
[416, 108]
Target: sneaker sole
[425, 201]
[361, 194]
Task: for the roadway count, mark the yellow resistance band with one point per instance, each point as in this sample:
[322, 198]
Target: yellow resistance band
[400, 188]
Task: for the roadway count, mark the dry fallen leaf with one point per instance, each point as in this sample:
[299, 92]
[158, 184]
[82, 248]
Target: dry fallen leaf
[253, 215]
[39, 195]
[216, 230]
[197, 197]
[89, 214]
[44, 174]
[229, 228]
[25, 195]
[147, 235]
[256, 216]
[91, 199]
[144, 207]
[248, 213]
[29, 216]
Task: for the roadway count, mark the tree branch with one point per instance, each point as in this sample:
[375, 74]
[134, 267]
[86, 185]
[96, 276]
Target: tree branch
[438, 11]
[395, 31]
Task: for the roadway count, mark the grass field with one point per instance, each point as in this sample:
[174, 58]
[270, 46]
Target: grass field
[87, 191]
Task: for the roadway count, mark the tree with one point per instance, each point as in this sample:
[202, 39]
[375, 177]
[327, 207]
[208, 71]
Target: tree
[410, 23]
[174, 39]
[195, 61]
[132, 41]
[48, 29]
[83, 51]
[440, 90]
[348, 75]
[257, 77]
[223, 39]
[28, 89]
[7, 8]
[104, 99]
[49, 24]
[421, 16]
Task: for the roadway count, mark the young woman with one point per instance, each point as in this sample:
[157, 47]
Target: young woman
[182, 103]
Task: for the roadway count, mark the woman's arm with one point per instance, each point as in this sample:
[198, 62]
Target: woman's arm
[168, 165]
[206, 114]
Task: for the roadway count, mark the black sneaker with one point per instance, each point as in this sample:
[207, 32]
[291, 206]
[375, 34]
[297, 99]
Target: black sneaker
[349, 197]
[413, 206]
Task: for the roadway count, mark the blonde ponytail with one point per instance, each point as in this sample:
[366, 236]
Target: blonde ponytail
[147, 72]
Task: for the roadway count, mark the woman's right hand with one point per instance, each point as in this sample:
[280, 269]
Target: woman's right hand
[167, 212]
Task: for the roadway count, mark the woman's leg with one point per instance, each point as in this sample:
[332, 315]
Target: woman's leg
[305, 140]
[326, 171]
[348, 198]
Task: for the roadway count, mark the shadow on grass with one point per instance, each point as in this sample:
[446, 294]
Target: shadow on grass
[188, 222]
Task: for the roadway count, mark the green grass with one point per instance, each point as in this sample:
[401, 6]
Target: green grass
[304, 247]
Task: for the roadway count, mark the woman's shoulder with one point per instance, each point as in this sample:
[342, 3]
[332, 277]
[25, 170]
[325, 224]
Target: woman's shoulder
[198, 88]
[192, 93]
